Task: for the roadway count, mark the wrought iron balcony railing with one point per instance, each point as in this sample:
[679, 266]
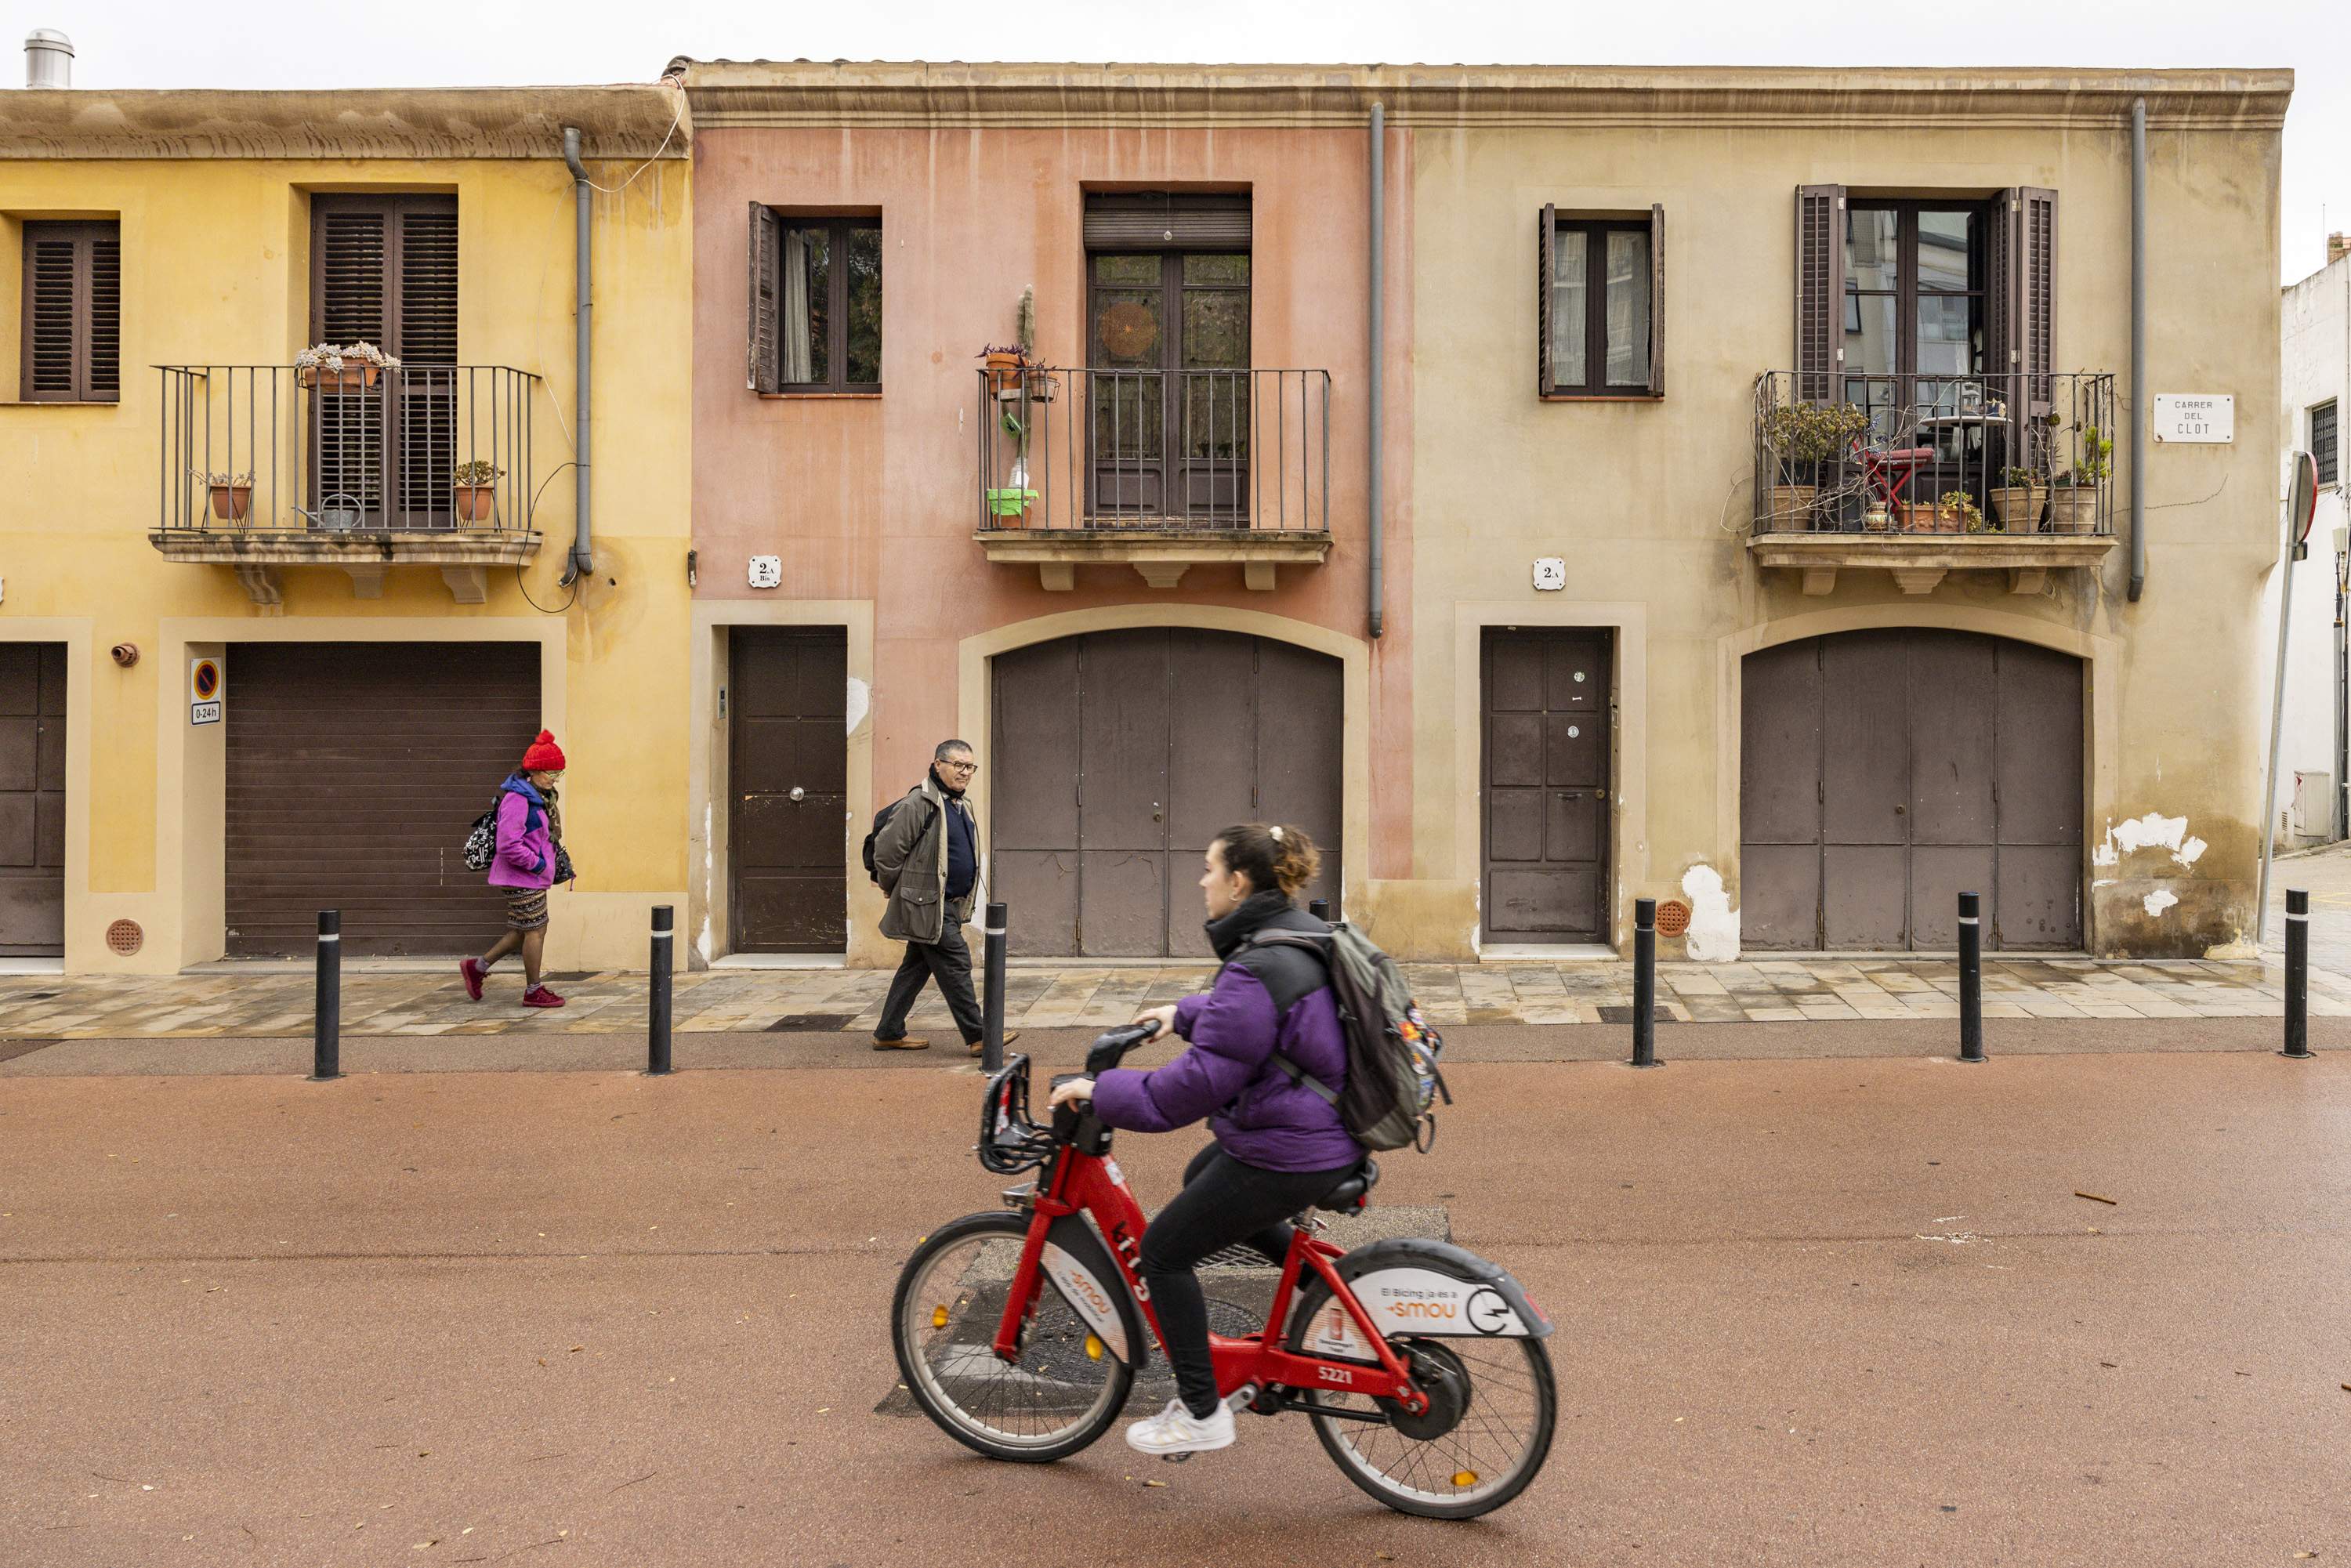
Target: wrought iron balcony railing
[1244, 451]
[2009, 453]
[273, 451]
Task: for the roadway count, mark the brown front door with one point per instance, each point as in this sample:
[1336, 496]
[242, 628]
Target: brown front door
[1549, 706]
[32, 800]
[353, 772]
[787, 770]
[1884, 773]
[1117, 757]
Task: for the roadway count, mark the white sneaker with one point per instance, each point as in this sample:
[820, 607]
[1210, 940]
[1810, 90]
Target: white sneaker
[1177, 1430]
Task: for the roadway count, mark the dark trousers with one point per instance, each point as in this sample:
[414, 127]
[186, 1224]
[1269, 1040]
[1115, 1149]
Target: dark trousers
[1223, 1202]
[948, 960]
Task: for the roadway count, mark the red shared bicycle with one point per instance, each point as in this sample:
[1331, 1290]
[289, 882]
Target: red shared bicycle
[1019, 1330]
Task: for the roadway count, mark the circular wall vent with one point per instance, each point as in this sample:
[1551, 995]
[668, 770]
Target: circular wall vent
[1672, 917]
[125, 938]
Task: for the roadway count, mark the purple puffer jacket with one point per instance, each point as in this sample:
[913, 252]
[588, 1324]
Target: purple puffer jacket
[1266, 1000]
[526, 856]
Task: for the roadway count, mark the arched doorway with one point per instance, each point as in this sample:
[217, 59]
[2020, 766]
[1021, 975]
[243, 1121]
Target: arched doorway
[1118, 754]
[1883, 773]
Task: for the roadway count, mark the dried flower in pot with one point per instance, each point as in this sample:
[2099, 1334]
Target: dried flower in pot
[1956, 512]
[354, 367]
[474, 485]
[232, 493]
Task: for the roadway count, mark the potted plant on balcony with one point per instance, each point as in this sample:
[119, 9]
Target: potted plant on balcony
[1798, 437]
[476, 486]
[1007, 368]
[1956, 512]
[2017, 500]
[2073, 495]
[232, 493]
[354, 367]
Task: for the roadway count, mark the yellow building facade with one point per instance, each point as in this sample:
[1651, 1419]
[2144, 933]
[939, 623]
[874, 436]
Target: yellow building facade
[181, 490]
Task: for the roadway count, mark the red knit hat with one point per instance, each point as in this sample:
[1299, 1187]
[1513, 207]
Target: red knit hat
[544, 756]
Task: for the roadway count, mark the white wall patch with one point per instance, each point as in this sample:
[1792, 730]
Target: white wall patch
[1713, 936]
[2159, 900]
[861, 700]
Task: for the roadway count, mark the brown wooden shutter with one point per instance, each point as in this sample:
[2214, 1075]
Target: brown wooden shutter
[765, 333]
[1163, 221]
[2036, 319]
[73, 313]
[1546, 236]
[383, 270]
[1657, 300]
[1820, 290]
[2000, 303]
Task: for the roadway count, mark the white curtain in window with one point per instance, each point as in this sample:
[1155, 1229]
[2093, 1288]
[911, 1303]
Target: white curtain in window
[796, 367]
[1628, 309]
[1568, 325]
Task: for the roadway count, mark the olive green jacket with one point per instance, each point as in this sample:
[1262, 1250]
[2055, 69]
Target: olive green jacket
[910, 861]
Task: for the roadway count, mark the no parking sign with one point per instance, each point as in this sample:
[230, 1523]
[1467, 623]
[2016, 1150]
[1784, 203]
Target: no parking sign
[205, 700]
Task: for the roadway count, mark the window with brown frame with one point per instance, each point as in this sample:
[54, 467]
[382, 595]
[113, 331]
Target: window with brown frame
[1601, 292]
[816, 303]
[72, 336]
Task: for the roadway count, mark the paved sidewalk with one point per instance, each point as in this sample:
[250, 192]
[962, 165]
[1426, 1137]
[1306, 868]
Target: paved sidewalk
[223, 1002]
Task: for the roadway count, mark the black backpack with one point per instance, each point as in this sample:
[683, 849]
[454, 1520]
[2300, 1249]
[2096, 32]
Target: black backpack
[880, 819]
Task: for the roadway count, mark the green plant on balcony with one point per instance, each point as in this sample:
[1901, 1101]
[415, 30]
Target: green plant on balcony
[1798, 437]
[2073, 495]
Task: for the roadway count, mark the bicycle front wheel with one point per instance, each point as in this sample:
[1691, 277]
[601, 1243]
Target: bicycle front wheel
[1063, 1391]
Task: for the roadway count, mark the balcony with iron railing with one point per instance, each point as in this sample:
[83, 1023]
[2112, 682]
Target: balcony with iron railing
[364, 469]
[1921, 476]
[1159, 470]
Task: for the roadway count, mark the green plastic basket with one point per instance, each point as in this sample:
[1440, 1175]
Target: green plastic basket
[1008, 503]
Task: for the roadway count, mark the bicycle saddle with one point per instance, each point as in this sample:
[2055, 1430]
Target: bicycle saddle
[1349, 1195]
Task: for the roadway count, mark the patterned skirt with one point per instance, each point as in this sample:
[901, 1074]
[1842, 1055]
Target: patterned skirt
[525, 908]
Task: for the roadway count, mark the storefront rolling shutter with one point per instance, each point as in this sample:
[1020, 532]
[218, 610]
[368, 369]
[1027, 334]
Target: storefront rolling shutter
[1165, 221]
[1820, 290]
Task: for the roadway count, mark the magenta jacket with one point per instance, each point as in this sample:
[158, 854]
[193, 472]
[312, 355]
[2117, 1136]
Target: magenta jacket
[526, 856]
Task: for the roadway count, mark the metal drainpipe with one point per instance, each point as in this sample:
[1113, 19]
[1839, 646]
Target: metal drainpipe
[2139, 410]
[582, 534]
[1379, 342]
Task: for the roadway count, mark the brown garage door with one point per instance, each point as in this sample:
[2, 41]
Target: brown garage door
[1883, 773]
[1118, 755]
[32, 800]
[354, 769]
[787, 758]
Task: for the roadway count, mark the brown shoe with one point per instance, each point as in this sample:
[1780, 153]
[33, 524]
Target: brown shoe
[902, 1043]
[980, 1047]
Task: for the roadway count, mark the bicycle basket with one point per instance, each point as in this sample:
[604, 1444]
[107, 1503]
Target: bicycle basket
[1009, 1141]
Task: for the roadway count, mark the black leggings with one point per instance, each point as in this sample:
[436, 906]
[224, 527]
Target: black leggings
[1223, 1202]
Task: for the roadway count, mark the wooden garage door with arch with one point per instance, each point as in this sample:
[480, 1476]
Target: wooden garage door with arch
[1882, 772]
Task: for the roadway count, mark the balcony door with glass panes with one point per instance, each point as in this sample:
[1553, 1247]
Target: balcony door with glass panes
[1168, 363]
[1914, 313]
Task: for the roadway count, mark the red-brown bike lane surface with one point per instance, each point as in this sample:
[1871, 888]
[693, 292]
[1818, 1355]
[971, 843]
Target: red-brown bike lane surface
[1811, 1312]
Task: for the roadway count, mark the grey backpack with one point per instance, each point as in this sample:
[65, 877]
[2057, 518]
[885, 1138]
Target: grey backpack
[1392, 1080]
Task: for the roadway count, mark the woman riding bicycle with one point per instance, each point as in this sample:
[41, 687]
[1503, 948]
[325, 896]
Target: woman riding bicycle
[1280, 1147]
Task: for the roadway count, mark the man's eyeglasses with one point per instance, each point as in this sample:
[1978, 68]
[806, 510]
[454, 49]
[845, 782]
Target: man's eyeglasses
[961, 766]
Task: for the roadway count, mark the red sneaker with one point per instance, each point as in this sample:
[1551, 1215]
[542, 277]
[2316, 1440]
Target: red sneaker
[471, 969]
[540, 996]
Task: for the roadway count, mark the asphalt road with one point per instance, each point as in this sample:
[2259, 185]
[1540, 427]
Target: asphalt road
[1811, 1312]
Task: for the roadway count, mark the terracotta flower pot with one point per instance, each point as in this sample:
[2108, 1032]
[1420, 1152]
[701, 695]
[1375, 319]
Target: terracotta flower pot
[231, 502]
[476, 503]
[357, 376]
[1792, 509]
[1004, 373]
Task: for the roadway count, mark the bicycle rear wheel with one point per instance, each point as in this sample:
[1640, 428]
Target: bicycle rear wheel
[1062, 1393]
[1493, 1410]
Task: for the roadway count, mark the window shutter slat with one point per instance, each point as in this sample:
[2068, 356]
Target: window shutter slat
[351, 303]
[1657, 300]
[1820, 290]
[427, 268]
[1546, 236]
[2036, 321]
[765, 334]
[1165, 221]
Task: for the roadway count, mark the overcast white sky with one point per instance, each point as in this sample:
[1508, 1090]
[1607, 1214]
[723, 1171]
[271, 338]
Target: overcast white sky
[437, 43]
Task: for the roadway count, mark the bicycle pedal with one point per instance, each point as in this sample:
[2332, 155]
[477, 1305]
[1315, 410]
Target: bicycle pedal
[1175, 1458]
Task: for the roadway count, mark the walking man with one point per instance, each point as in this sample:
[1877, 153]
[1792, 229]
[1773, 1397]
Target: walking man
[927, 858]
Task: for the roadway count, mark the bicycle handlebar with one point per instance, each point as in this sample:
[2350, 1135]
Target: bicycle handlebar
[1111, 1047]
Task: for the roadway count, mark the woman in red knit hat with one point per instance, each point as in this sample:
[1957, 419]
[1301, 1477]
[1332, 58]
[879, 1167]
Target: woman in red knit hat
[528, 861]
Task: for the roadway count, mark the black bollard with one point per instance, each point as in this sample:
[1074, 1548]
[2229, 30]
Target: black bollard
[657, 1009]
[1971, 980]
[1320, 908]
[1645, 982]
[991, 1017]
[327, 1010]
[2297, 973]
